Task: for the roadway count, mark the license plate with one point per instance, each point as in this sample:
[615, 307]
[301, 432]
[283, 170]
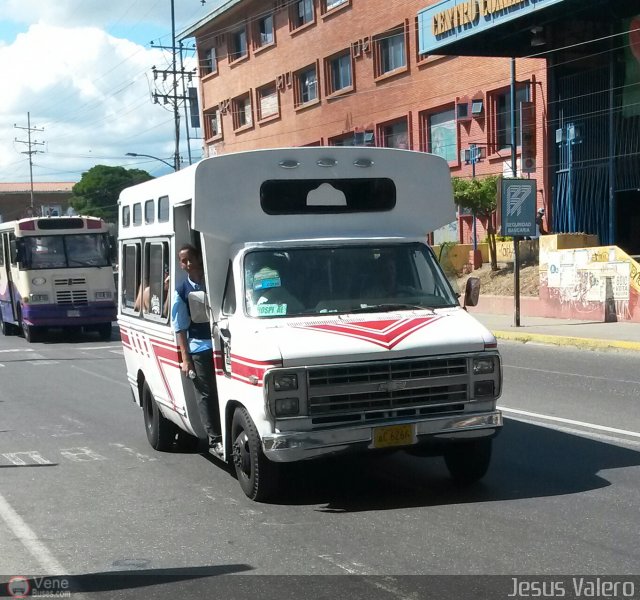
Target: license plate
[394, 435]
[73, 313]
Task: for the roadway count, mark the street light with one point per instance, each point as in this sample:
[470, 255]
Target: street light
[154, 158]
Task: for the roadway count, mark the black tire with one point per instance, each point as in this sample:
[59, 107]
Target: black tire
[256, 474]
[30, 332]
[161, 432]
[7, 328]
[104, 331]
[468, 462]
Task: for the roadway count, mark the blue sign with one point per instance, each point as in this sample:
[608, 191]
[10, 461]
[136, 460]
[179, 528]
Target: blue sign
[452, 20]
[518, 208]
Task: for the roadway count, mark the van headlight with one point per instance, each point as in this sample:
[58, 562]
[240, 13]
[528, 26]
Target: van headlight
[483, 365]
[283, 382]
[287, 407]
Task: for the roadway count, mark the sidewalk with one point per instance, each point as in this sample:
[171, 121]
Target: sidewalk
[622, 335]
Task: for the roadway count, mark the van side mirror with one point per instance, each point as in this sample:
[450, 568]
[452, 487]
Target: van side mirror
[472, 291]
[199, 307]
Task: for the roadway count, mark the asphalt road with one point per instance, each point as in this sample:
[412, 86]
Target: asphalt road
[82, 494]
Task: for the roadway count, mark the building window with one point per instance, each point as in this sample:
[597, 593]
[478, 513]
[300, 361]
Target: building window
[242, 115]
[339, 74]
[395, 135]
[209, 63]
[442, 134]
[342, 140]
[390, 51]
[302, 13]
[306, 86]
[265, 35]
[212, 124]
[237, 44]
[268, 102]
[328, 5]
[501, 137]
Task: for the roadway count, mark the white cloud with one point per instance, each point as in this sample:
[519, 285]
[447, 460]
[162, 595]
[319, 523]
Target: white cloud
[89, 90]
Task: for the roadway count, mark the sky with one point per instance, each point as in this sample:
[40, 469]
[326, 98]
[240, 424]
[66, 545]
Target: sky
[82, 69]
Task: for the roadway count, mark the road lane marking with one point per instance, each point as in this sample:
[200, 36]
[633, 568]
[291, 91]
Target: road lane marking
[526, 413]
[546, 372]
[29, 539]
[141, 457]
[345, 566]
[34, 455]
[81, 454]
[17, 350]
[99, 376]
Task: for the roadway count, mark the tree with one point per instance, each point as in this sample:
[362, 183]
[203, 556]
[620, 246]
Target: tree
[480, 196]
[97, 192]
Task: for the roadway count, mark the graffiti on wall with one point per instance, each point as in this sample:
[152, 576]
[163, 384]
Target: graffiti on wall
[588, 278]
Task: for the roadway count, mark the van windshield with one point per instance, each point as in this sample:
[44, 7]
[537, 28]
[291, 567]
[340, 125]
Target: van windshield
[60, 251]
[316, 281]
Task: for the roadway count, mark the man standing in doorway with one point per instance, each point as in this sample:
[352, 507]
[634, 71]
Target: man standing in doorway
[196, 348]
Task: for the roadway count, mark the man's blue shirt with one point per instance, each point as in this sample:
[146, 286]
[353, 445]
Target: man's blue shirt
[181, 321]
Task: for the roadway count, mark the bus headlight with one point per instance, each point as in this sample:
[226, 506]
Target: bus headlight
[103, 295]
[35, 298]
[283, 382]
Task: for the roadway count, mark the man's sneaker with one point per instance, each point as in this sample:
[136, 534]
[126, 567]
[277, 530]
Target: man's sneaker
[217, 449]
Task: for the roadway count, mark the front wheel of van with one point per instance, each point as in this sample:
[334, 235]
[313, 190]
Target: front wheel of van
[468, 462]
[161, 432]
[256, 474]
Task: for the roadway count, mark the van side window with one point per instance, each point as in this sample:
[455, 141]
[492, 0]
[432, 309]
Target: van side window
[137, 213]
[229, 300]
[130, 274]
[163, 209]
[157, 288]
[126, 216]
[149, 213]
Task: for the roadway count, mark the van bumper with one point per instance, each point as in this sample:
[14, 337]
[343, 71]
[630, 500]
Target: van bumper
[295, 446]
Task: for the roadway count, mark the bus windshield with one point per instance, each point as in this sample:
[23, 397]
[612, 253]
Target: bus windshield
[60, 251]
[371, 278]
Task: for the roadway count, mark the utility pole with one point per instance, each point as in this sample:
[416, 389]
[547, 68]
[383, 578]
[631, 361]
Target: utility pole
[30, 152]
[176, 114]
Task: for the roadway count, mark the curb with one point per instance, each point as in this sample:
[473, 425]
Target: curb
[561, 340]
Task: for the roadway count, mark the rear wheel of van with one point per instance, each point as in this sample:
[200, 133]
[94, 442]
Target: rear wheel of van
[161, 432]
[468, 462]
[256, 474]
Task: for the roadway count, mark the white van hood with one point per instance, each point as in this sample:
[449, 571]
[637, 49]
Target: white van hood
[353, 338]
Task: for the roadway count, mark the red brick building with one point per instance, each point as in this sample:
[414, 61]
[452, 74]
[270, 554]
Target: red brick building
[48, 199]
[329, 72]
